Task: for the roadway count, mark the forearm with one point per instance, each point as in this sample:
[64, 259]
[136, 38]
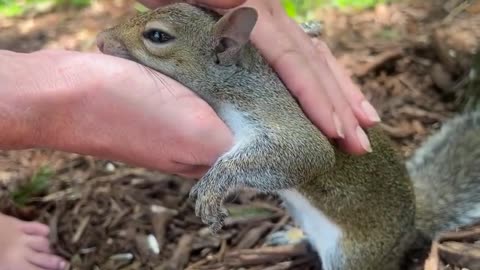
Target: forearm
[106, 107]
[39, 101]
[20, 123]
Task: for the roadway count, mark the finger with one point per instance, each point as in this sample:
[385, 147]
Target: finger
[39, 243]
[357, 144]
[29, 266]
[222, 4]
[326, 78]
[156, 3]
[286, 59]
[194, 171]
[355, 140]
[363, 110]
[47, 261]
[353, 106]
[35, 228]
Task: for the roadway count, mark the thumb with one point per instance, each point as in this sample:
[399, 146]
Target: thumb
[215, 4]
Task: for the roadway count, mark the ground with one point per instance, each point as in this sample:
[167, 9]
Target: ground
[104, 214]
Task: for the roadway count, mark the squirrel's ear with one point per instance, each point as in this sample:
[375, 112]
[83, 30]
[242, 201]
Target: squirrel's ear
[232, 32]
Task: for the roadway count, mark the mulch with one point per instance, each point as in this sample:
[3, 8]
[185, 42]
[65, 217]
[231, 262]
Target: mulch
[108, 215]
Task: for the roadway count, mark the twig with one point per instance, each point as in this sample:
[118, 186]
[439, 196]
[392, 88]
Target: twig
[248, 257]
[433, 261]
[288, 265]
[455, 11]
[80, 229]
[252, 237]
[222, 251]
[280, 224]
[230, 221]
[161, 216]
[181, 255]
[417, 112]
[460, 254]
[377, 61]
[472, 234]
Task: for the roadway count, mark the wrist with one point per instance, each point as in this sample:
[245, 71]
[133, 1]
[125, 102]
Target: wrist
[39, 98]
[17, 119]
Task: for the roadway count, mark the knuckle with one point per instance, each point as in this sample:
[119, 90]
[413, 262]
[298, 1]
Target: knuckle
[270, 8]
[52, 261]
[321, 45]
[286, 55]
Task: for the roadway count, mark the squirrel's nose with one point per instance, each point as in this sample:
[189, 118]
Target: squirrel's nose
[101, 41]
[108, 43]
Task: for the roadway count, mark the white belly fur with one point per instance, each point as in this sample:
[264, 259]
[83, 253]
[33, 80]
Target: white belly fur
[322, 233]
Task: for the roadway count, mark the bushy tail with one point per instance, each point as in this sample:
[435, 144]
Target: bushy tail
[446, 176]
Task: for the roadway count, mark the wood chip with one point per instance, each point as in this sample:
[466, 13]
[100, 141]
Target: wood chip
[254, 235]
[181, 255]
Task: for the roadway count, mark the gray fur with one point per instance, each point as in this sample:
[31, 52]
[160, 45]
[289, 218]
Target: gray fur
[370, 198]
[271, 114]
[446, 176]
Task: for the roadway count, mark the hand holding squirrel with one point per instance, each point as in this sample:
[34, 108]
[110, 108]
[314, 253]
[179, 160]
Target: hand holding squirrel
[83, 103]
[322, 87]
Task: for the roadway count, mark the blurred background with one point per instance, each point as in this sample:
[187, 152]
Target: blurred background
[416, 61]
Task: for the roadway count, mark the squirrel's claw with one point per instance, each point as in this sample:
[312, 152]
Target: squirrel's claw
[208, 205]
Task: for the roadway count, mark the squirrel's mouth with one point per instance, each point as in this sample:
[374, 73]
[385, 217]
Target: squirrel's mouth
[107, 44]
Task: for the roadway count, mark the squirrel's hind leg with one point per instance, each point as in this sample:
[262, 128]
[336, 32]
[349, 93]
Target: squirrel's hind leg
[323, 234]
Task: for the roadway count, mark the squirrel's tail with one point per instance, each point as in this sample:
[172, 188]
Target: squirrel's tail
[446, 176]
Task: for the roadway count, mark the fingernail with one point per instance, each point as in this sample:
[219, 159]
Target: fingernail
[362, 136]
[370, 111]
[338, 126]
[62, 265]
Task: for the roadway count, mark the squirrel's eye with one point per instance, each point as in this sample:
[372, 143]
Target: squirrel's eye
[157, 36]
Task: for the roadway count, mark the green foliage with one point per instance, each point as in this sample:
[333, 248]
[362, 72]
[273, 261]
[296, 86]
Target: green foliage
[140, 8]
[11, 8]
[357, 3]
[37, 184]
[301, 9]
[388, 34]
[249, 211]
[72, 3]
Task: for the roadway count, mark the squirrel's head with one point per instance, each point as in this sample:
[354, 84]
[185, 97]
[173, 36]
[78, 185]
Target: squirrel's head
[181, 39]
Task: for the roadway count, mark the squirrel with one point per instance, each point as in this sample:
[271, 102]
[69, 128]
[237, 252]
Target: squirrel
[358, 212]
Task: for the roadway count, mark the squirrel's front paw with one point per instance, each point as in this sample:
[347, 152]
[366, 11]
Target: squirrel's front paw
[208, 204]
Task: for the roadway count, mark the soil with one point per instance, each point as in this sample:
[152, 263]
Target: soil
[410, 59]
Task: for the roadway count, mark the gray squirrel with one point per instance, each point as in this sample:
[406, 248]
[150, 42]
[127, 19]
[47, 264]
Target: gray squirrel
[358, 212]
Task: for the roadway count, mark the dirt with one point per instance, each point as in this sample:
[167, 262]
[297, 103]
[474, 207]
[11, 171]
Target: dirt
[104, 214]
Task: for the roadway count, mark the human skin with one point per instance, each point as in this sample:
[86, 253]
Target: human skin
[89, 104]
[104, 106]
[113, 108]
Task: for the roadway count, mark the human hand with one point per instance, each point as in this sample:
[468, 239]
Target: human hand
[324, 90]
[108, 107]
